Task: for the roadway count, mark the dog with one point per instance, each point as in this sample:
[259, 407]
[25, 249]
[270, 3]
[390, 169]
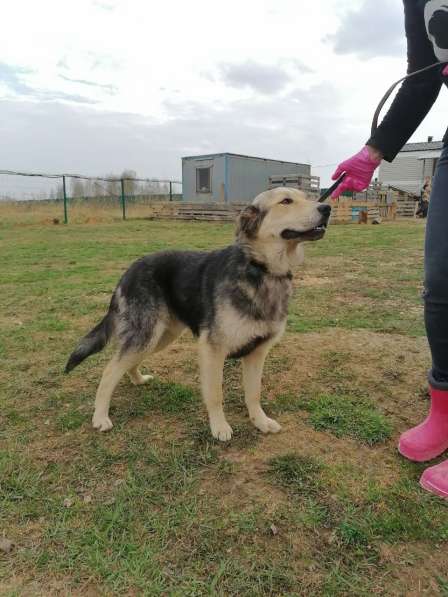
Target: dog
[234, 300]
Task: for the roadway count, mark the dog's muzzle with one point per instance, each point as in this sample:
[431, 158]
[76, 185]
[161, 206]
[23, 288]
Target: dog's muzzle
[315, 233]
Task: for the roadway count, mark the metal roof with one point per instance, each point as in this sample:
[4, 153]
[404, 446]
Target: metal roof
[431, 155]
[239, 155]
[425, 146]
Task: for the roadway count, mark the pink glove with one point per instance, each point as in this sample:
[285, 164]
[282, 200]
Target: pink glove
[445, 71]
[359, 171]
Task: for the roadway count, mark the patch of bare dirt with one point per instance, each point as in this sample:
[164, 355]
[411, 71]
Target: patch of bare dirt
[313, 281]
[46, 586]
[414, 568]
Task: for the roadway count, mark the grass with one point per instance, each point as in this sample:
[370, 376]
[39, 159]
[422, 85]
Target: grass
[297, 473]
[356, 531]
[157, 507]
[348, 416]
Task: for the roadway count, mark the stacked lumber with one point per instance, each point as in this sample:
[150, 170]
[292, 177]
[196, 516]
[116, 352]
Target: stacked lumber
[341, 212]
[218, 212]
[209, 212]
[405, 208]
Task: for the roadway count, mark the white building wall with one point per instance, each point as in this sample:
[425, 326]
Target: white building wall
[408, 170]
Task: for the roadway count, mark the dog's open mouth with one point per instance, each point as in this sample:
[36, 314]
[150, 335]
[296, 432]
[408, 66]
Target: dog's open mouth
[314, 234]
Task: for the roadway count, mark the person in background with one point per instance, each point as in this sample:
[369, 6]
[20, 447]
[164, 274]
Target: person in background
[426, 189]
[422, 209]
[426, 25]
[421, 199]
[422, 202]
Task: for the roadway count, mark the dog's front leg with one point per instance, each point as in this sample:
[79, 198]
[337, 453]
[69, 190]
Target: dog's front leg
[211, 364]
[252, 372]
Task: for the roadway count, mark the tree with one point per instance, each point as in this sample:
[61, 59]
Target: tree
[113, 187]
[77, 188]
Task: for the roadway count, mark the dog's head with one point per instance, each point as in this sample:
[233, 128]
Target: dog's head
[284, 214]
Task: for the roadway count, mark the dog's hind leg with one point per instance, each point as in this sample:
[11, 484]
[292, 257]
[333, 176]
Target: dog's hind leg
[112, 374]
[211, 364]
[173, 330]
[252, 373]
[137, 377]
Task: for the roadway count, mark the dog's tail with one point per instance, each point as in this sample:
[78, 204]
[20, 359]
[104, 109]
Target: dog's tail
[94, 342]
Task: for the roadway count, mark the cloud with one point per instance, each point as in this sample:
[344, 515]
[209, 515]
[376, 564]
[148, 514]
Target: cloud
[93, 142]
[62, 63]
[103, 61]
[261, 78]
[374, 29]
[111, 89]
[89, 60]
[52, 96]
[297, 126]
[103, 5]
[12, 77]
[299, 66]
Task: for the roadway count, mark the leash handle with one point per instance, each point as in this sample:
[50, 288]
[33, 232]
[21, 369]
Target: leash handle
[392, 87]
[333, 187]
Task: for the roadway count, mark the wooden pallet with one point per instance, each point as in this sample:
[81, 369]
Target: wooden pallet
[406, 209]
[208, 212]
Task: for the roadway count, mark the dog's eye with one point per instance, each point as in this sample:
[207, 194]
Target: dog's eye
[286, 201]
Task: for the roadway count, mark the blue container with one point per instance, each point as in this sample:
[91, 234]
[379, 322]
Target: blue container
[355, 213]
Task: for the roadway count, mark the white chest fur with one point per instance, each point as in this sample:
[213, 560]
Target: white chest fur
[262, 314]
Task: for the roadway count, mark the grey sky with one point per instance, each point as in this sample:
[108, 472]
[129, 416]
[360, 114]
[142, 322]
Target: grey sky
[98, 86]
[262, 78]
[375, 28]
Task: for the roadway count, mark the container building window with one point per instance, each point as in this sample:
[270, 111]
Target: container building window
[204, 180]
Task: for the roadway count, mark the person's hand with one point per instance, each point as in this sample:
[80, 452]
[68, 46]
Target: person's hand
[359, 171]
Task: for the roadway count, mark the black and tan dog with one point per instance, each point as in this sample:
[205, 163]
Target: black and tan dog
[234, 300]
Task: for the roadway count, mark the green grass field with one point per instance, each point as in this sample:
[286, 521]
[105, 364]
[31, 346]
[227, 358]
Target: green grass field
[156, 507]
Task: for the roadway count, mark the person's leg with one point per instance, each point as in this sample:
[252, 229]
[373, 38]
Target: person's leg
[435, 478]
[436, 275]
[430, 439]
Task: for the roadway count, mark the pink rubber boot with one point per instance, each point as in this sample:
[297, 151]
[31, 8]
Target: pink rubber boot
[429, 439]
[435, 479]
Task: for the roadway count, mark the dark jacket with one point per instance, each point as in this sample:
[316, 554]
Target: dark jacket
[417, 94]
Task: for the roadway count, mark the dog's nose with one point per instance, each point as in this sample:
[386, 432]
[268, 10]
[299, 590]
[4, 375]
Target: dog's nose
[324, 209]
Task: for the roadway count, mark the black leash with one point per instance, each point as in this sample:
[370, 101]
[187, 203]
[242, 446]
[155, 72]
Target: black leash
[376, 116]
[331, 189]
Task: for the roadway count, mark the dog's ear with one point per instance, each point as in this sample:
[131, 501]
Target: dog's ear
[249, 221]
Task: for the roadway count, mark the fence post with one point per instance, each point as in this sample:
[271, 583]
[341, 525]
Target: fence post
[64, 191]
[171, 191]
[123, 199]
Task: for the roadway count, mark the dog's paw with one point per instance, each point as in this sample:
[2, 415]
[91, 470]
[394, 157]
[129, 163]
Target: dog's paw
[221, 431]
[142, 380]
[267, 425]
[102, 423]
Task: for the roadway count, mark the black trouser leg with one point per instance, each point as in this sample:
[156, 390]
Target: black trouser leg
[436, 275]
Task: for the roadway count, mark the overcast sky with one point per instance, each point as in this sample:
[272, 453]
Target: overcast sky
[96, 86]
